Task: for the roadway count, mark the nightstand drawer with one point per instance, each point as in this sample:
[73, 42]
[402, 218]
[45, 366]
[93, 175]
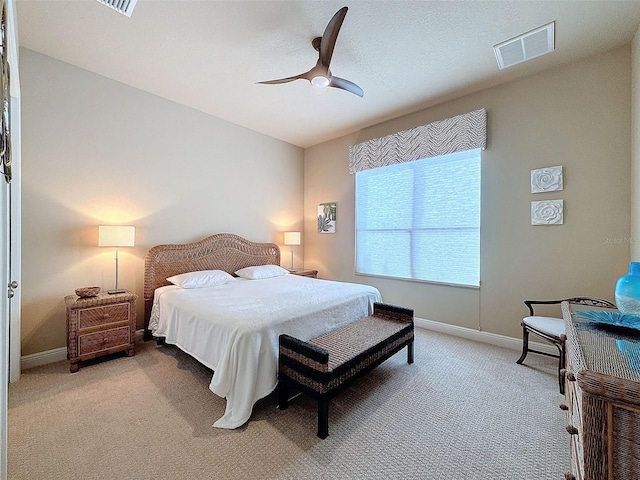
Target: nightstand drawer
[103, 315]
[104, 340]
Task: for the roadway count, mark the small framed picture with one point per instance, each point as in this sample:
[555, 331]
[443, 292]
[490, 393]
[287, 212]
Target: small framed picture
[327, 217]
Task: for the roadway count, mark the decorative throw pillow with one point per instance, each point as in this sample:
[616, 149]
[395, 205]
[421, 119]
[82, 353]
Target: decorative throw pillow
[201, 279]
[261, 271]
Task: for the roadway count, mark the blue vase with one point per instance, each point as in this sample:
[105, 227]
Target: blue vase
[628, 290]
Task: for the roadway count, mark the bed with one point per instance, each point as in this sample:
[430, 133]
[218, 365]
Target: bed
[233, 328]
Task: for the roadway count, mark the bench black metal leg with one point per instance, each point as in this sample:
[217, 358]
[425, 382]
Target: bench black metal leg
[410, 352]
[283, 395]
[323, 418]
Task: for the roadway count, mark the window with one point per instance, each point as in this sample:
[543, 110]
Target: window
[420, 220]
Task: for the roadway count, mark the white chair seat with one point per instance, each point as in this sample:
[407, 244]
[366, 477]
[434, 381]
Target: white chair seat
[549, 325]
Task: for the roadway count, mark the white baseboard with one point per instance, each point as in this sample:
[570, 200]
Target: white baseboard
[42, 358]
[480, 336]
[52, 356]
[59, 354]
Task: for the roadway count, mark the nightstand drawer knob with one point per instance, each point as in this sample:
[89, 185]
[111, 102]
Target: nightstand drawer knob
[106, 315]
[572, 430]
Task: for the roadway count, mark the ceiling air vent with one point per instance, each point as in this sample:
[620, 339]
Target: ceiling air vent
[526, 46]
[125, 7]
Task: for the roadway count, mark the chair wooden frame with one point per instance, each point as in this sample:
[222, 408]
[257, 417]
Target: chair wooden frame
[560, 341]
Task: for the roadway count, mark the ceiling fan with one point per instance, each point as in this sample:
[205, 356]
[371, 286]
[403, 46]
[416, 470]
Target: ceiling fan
[320, 75]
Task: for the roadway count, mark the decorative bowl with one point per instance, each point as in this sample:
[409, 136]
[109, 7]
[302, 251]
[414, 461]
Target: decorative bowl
[613, 319]
[84, 292]
[631, 350]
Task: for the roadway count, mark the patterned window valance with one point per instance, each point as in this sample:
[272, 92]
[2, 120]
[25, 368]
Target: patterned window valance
[456, 134]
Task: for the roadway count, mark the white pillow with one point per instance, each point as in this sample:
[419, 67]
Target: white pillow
[201, 279]
[261, 271]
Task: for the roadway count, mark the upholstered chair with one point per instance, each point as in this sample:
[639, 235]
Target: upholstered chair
[552, 329]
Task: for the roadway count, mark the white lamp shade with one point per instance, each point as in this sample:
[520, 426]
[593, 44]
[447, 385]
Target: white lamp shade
[116, 236]
[292, 238]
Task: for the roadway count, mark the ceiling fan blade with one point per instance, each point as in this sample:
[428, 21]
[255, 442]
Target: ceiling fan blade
[284, 80]
[338, 82]
[330, 36]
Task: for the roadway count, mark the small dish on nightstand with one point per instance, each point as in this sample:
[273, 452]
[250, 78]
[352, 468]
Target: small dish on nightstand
[85, 292]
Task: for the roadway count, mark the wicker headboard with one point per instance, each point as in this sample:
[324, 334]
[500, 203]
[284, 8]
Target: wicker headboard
[223, 251]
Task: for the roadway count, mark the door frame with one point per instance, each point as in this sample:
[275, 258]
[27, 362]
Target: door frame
[10, 337]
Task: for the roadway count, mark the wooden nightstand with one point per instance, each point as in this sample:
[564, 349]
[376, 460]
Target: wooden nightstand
[99, 326]
[306, 273]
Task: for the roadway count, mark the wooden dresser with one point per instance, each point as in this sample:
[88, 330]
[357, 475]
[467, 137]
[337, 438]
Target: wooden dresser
[100, 325]
[602, 397]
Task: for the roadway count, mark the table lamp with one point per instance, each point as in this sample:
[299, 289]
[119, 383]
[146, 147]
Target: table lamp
[116, 236]
[292, 238]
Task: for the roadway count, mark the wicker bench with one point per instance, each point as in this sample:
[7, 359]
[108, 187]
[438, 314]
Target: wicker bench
[327, 364]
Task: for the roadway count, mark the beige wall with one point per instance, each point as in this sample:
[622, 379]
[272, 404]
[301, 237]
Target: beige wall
[635, 148]
[96, 152]
[577, 116]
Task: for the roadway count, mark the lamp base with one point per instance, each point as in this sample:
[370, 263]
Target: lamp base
[113, 292]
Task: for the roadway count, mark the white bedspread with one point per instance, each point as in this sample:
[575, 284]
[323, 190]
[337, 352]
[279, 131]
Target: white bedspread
[233, 329]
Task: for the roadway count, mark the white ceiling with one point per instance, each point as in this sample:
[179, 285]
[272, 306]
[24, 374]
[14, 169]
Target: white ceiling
[406, 55]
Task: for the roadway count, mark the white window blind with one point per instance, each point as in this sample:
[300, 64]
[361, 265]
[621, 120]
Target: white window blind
[421, 220]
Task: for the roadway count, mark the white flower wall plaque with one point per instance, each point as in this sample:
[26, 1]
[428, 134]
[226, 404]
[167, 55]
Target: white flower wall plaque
[547, 179]
[547, 212]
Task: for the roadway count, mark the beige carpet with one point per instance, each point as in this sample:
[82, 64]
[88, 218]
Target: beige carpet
[463, 410]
